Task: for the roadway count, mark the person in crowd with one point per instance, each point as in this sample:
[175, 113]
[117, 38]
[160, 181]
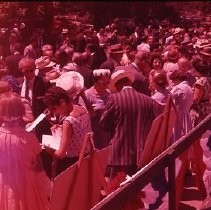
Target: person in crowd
[12, 61]
[128, 117]
[12, 39]
[7, 86]
[185, 66]
[80, 41]
[75, 125]
[156, 62]
[144, 46]
[33, 89]
[115, 55]
[182, 95]
[85, 69]
[47, 69]
[98, 55]
[158, 84]
[97, 96]
[140, 82]
[202, 92]
[135, 38]
[32, 50]
[23, 183]
[47, 50]
[126, 56]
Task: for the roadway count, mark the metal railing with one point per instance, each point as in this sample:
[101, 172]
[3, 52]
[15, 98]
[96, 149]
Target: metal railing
[147, 173]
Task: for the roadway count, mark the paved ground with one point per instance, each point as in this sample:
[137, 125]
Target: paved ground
[191, 197]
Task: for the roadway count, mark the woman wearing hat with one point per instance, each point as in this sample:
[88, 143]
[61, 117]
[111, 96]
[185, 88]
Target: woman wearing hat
[97, 96]
[75, 125]
[23, 183]
[202, 92]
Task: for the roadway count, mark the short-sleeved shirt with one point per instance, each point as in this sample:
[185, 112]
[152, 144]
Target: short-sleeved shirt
[80, 125]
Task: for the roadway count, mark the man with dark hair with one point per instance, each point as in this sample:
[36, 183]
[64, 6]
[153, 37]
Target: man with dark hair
[12, 61]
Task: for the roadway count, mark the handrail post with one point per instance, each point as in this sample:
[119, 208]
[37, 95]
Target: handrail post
[172, 183]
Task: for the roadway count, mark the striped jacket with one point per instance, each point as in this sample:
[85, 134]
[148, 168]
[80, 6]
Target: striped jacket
[128, 116]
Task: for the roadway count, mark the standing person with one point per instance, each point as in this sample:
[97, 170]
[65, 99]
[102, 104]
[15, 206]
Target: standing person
[115, 52]
[158, 86]
[97, 96]
[23, 183]
[33, 89]
[32, 50]
[202, 92]
[12, 61]
[128, 117]
[182, 95]
[140, 82]
[75, 125]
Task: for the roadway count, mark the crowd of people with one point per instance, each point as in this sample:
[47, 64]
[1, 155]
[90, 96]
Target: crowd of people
[111, 82]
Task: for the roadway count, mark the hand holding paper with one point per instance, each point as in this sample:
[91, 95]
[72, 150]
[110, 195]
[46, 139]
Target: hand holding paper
[31, 126]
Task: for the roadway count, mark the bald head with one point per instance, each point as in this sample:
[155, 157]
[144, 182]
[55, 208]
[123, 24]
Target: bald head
[184, 64]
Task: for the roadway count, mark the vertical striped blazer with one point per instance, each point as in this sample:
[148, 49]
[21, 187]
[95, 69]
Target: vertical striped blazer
[128, 116]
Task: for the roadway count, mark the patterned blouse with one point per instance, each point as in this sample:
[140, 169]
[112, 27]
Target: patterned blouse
[203, 108]
[80, 125]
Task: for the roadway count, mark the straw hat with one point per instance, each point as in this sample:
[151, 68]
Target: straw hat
[72, 82]
[118, 75]
[44, 62]
[116, 49]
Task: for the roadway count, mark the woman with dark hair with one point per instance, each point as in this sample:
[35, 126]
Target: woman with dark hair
[202, 92]
[156, 63]
[96, 98]
[75, 125]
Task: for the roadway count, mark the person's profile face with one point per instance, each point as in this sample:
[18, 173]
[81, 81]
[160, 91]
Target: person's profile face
[28, 72]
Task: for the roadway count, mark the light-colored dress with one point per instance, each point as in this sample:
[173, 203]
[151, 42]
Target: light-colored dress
[182, 95]
[23, 182]
[101, 138]
[161, 95]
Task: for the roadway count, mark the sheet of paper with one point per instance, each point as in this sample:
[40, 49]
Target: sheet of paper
[51, 141]
[36, 122]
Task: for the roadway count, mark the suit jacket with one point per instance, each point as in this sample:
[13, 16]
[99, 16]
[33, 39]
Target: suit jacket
[128, 117]
[140, 82]
[12, 62]
[39, 88]
[80, 43]
[108, 64]
[86, 72]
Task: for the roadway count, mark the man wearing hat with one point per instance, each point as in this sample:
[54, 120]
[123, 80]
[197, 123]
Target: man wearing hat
[33, 89]
[127, 117]
[115, 55]
[45, 68]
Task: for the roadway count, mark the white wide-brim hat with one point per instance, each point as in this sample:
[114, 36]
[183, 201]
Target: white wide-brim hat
[44, 62]
[119, 74]
[72, 82]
